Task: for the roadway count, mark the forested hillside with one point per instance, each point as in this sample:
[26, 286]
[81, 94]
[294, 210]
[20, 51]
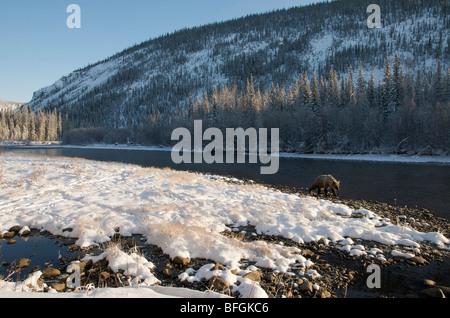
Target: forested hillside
[318, 73]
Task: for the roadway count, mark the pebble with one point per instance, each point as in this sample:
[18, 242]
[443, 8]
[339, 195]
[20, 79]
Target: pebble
[306, 287]
[182, 261]
[324, 294]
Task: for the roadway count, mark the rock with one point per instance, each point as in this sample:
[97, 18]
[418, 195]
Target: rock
[182, 261]
[218, 283]
[73, 248]
[166, 272]
[306, 287]
[59, 287]
[307, 253]
[25, 231]
[67, 229]
[218, 267]
[351, 275]
[254, 276]
[445, 290]
[429, 282]
[434, 292]
[234, 271]
[270, 277]
[324, 294]
[417, 259]
[170, 272]
[50, 272]
[11, 242]
[22, 263]
[15, 228]
[9, 235]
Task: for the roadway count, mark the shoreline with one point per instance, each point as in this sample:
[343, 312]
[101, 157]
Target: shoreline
[341, 275]
[392, 158]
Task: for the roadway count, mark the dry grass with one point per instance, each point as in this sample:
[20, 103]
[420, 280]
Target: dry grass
[2, 163]
[37, 174]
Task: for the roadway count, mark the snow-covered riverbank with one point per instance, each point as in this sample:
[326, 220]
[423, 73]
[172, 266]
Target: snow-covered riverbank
[348, 157]
[185, 215]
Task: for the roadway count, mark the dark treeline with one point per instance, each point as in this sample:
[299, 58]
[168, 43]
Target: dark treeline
[405, 113]
[25, 125]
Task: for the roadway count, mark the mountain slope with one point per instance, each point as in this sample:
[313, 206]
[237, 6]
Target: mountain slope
[274, 65]
[158, 75]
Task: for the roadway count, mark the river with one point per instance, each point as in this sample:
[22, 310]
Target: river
[425, 185]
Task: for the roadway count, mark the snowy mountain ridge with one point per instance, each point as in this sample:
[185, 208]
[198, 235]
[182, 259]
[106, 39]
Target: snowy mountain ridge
[5, 105]
[157, 76]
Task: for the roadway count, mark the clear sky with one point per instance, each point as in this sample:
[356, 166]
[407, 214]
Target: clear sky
[37, 47]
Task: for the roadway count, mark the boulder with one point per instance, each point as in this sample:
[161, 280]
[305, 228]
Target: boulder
[417, 260]
[59, 287]
[22, 263]
[434, 292]
[50, 272]
[254, 276]
[15, 228]
[25, 231]
[429, 282]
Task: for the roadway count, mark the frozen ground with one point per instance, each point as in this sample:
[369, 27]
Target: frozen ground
[184, 214]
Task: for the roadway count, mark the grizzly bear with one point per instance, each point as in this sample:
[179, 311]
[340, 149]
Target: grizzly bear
[323, 183]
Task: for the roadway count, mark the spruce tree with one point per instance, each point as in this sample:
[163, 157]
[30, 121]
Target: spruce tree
[315, 97]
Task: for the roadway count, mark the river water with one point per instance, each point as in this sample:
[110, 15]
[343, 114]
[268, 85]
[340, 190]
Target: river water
[425, 185]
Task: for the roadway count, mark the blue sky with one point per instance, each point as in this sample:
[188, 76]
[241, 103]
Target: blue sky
[37, 47]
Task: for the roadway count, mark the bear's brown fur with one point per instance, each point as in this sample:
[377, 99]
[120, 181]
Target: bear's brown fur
[323, 183]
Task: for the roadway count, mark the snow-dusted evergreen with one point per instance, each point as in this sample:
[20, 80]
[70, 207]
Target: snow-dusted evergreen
[24, 125]
[318, 73]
